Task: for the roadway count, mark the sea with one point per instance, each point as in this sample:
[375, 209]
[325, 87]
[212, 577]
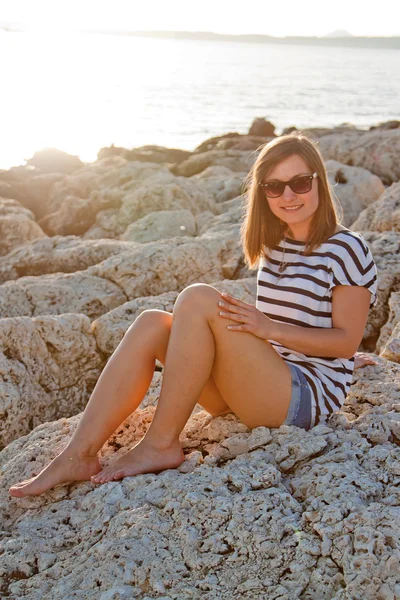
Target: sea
[80, 92]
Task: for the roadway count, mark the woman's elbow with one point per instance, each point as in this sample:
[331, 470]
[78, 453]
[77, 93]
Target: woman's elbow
[349, 350]
[348, 356]
[350, 344]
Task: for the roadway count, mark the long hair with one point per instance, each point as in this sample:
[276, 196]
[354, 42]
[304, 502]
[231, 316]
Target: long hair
[260, 228]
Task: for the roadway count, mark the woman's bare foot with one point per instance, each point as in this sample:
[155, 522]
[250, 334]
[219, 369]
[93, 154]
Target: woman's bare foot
[66, 467]
[361, 359]
[142, 458]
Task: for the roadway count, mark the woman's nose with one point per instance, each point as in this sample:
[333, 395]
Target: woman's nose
[288, 194]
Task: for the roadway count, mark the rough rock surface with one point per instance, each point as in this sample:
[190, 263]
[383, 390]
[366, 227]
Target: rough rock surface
[267, 513]
[235, 160]
[155, 195]
[144, 270]
[168, 265]
[385, 248]
[226, 220]
[49, 366]
[355, 188]
[160, 225]
[221, 183]
[52, 160]
[232, 140]
[318, 132]
[57, 254]
[121, 190]
[160, 192]
[383, 215]
[148, 153]
[77, 214]
[377, 150]
[17, 225]
[391, 350]
[106, 174]
[388, 342]
[393, 319]
[262, 127]
[33, 192]
[79, 292]
[74, 201]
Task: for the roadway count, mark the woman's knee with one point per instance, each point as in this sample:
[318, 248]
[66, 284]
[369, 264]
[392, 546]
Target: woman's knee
[151, 320]
[152, 328]
[201, 294]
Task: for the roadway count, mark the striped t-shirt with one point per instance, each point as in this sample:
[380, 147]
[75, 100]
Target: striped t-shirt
[303, 297]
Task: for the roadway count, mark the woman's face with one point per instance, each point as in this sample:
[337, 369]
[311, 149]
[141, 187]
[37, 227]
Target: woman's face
[298, 221]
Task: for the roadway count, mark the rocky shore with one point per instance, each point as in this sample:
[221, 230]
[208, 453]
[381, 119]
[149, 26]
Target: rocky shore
[256, 514]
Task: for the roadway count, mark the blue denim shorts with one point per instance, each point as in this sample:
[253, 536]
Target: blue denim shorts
[299, 413]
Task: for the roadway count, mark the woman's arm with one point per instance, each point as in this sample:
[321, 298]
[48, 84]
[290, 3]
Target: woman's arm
[350, 305]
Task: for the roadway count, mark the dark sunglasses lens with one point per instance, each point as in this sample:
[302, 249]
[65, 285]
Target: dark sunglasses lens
[274, 189]
[301, 185]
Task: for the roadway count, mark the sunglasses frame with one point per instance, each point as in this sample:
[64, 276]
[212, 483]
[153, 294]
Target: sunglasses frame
[311, 177]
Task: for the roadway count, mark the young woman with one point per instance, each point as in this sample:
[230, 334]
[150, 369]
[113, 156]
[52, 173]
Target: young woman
[288, 359]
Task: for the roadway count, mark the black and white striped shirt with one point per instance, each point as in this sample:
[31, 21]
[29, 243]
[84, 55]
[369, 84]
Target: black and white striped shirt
[303, 297]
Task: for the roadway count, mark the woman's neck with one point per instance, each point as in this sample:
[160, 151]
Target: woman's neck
[298, 237]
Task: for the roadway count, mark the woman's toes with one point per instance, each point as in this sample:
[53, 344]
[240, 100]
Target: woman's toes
[109, 477]
[106, 476]
[101, 477]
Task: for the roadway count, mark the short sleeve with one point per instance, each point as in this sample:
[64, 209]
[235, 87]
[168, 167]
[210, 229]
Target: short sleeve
[351, 263]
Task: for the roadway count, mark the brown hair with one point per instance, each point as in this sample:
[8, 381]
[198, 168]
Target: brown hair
[260, 226]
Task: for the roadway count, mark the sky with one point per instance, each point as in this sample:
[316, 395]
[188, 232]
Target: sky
[278, 18]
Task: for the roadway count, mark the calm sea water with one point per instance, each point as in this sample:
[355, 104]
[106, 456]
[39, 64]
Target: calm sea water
[80, 92]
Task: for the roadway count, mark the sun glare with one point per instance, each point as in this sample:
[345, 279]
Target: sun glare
[64, 99]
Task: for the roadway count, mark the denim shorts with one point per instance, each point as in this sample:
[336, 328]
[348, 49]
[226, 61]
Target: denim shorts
[299, 413]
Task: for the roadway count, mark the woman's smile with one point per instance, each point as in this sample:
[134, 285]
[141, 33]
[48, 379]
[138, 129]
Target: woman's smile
[292, 208]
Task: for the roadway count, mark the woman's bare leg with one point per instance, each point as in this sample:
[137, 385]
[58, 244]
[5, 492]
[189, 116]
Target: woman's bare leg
[118, 392]
[257, 382]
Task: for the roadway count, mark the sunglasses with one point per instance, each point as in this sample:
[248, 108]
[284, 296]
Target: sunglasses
[299, 185]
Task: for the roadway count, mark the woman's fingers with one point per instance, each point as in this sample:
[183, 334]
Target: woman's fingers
[234, 305]
[233, 316]
[233, 300]
[235, 310]
[230, 308]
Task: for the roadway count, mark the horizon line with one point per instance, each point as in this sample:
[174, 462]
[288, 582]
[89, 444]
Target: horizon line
[22, 28]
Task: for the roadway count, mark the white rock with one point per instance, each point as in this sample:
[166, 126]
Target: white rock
[48, 368]
[17, 226]
[382, 215]
[160, 225]
[57, 255]
[376, 150]
[387, 332]
[354, 187]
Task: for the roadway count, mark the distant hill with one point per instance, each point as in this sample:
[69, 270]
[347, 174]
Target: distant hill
[348, 41]
[338, 37]
[338, 33]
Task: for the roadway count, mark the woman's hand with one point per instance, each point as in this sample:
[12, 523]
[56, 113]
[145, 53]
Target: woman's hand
[361, 359]
[249, 318]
